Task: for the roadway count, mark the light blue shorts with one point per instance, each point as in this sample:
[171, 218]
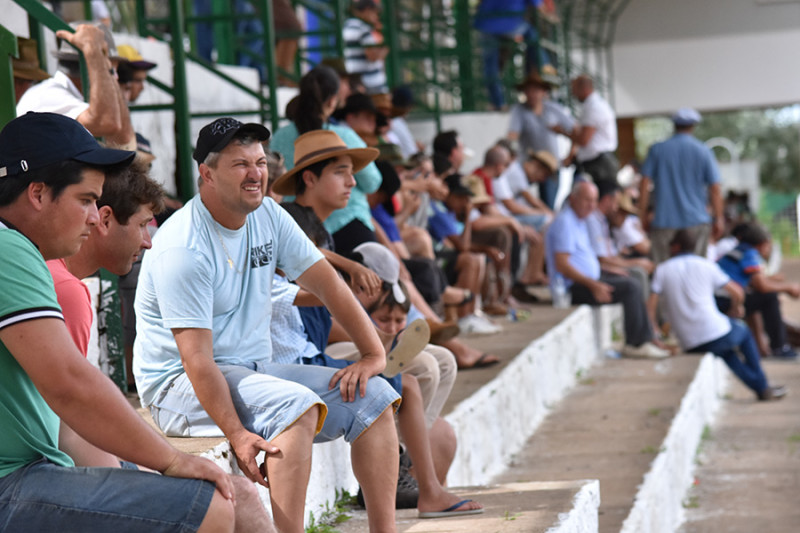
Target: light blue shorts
[270, 397]
[45, 497]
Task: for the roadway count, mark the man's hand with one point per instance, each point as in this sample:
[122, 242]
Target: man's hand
[718, 227]
[643, 263]
[793, 290]
[354, 377]
[364, 279]
[736, 310]
[87, 38]
[184, 465]
[602, 292]
[495, 254]
[246, 446]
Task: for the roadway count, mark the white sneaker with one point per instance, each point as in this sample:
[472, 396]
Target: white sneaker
[477, 325]
[648, 350]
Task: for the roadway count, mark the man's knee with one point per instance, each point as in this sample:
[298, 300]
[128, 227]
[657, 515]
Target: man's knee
[220, 516]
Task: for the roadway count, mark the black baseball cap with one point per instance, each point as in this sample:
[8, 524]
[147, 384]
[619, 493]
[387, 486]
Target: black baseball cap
[36, 140]
[216, 136]
[456, 186]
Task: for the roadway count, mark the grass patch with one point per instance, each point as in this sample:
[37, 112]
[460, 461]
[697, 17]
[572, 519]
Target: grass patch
[655, 411]
[507, 517]
[691, 502]
[704, 438]
[652, 450]
[331, 517]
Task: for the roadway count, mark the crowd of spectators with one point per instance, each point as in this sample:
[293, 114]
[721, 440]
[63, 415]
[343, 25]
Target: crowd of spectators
[323, 280]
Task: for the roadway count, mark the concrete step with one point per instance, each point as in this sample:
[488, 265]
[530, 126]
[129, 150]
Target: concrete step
[552, 506]
[554, 414]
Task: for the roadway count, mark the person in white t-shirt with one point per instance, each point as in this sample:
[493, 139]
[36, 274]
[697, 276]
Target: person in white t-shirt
[595, 138]
[685, 285]
[512, 189]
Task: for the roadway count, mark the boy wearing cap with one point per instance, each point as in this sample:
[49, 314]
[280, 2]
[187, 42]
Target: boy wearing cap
[203, 355]
[132, 72]
[51, 173]
[106, 113]
[684, 178]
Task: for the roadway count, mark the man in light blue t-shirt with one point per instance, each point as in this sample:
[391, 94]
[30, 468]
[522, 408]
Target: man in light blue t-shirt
[685, 180]
[203, 354]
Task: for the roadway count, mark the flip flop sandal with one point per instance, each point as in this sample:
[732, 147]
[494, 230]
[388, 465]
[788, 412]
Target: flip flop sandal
[408, 344]
[451, 511]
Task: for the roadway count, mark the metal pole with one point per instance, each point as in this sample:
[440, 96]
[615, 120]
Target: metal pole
[183, 142]
[8, 48]
[267, 21]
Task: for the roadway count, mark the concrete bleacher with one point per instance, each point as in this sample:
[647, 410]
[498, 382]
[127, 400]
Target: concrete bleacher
[494, 411]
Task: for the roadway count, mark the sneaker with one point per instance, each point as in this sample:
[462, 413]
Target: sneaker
[521, 294]
[785, 352]
[407, 487]
[477, 325]
[648, 350]
[773, 393]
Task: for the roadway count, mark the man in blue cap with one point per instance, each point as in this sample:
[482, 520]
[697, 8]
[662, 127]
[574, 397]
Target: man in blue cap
[684, 178]
[51, 174]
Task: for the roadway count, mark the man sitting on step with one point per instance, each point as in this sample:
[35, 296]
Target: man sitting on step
[571, 257]
[203, 354]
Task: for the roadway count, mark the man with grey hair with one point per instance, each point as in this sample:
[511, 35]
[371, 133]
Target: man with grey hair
[106, 114]
[572, 259]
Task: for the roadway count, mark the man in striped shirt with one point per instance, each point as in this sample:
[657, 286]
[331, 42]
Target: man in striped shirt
[364, 52]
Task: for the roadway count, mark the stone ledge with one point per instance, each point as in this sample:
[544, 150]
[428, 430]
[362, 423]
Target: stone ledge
[524, 392]
[658, 507]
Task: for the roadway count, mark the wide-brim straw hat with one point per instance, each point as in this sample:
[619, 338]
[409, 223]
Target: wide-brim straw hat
[27, 66]
[545, 158]
[535, 80]
[316, 146]
[626, 204]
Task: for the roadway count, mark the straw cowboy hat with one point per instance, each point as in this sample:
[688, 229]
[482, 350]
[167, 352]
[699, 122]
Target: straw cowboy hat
[27, 66]
[545, 158]
[535, 80]
[316, 146]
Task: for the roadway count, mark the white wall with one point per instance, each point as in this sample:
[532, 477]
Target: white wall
[711, 55]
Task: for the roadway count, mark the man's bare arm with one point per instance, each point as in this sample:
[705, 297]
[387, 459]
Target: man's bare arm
[197, 355]
[321, 280]
[601, 291]
[644, 202]
[89, 402]
[102, 118]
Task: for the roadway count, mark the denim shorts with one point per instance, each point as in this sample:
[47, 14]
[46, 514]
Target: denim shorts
[269, 397]
[45, 497]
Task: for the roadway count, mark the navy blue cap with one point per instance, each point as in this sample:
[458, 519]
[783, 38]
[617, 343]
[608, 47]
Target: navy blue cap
[36, 140]
[216, 136]
[685, 116]
[456, 186]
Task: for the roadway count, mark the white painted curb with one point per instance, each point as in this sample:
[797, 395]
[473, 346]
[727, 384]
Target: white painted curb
[582, 518]
[658, 507]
